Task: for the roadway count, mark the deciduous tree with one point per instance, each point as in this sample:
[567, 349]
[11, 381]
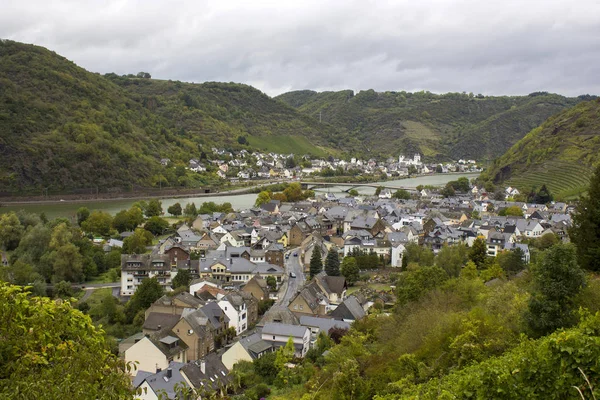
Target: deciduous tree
[585, 233]
[175, 210]
[349, 270]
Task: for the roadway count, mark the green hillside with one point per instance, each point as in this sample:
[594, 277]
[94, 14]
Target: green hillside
[561, 153]
[448, 126]
[63, 128]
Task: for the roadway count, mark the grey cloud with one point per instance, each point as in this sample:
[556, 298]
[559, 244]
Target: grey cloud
[491, 47]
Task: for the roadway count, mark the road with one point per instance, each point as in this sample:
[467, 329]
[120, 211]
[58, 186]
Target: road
[290, 286]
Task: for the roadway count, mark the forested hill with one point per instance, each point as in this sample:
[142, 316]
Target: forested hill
[560, 153]
[64, 128]
[448, 126]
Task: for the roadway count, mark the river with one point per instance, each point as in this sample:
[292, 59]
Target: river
[241, 201]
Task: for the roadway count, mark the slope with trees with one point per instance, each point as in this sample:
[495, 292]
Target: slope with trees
[560, 153]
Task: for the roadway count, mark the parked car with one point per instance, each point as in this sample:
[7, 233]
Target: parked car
[295, 254]
[292, 275]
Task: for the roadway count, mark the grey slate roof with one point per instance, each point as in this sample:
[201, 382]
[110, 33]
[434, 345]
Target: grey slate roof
[349, 309]
[160, 382]
[274, 328]
[324, 324]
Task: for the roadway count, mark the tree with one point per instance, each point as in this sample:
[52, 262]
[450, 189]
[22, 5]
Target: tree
[263, 198]
[290, 162]
[67, 263]
[10, 231]
[143, 75]
[182, 279]
[411, 286]
[402, 194]
[451, 259]
[242, 140]
[478, 253]
[190, 210]
[82, 214]
[546, 241]
[557, 279]
[146, 293]
[316, 261]
[475, 215]
[378, 190]
[438, 169]
[353, 192]
[586, 220]
[512, 262]
[98, 223]
[51, 350]
[272, 282]
[543, 196]
[63, 290]
[137, 243]
[293, 192]
[447, 191]
[512, 211]
[175, 209]
[332, 263]
[154, 208]
[349, 270]
[128, 220]
[156, 225]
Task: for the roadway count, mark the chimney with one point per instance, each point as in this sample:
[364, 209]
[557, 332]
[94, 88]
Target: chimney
[203, 366]
[169, 373]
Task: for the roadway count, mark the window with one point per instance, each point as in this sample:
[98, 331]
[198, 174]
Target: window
[273, 337]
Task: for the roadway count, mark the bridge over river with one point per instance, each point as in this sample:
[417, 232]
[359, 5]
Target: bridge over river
[350, 186]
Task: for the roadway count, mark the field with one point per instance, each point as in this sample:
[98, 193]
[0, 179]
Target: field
[286, 145]
[565, 180]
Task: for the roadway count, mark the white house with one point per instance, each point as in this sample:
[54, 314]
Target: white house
[278, 334]
[234, 306]
[151, 354]
[398, 250]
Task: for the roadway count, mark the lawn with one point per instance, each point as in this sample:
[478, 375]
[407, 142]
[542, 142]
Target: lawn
[375, 286]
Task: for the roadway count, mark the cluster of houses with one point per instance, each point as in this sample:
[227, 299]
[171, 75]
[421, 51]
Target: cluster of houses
[245, 165]
[233, 257]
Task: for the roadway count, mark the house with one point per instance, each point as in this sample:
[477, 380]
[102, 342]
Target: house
[334, 287]
[156, 352]
[310, 300]
[137, 267]
[298, 233]
[209, 376]
[234, 306]
[194, 330]
[257, 287]
[278, 335]
[350, 310]
[247, 348]
[385, 194]
[319, 324]
[177, 253]
[160, 384]
[398, 250]
[156, 321]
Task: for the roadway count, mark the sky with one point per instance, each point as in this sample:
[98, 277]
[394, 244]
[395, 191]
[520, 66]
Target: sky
[482, 46]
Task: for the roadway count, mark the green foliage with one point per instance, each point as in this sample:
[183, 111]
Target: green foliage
[513, 211]
[156, 225]
[49, 350]
[137, 243]
[478, 252]
[272, 282]
[349, 270]
[332, 263]
[264, 197]
[128, 220]
[182, 279]
[418, 254]
[586, 219]
[557, 279]
[411, 286]
[175, 210]
[264, 306]
[98, 223]
[402, 194]
[82, 214]
[548, 368]
[353, 192]
[447, 191]
[316, 261]
[511, 262]
[146, 293]
[154, 208]
[378, 190]
[190, 210]
[451, 259]
[211, 207]
[10, 231]
[556, 154]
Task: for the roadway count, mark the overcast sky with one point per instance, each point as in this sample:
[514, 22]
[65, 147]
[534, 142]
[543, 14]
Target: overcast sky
[480, 46]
